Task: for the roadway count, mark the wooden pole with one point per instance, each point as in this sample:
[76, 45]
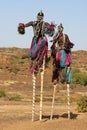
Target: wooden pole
[41, 92]
[33, 101]
[53, 102]
[68, 98]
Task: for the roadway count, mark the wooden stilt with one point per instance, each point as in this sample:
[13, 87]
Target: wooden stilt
[41, 92]
[53, 102]
[68, 98]
[33, 101]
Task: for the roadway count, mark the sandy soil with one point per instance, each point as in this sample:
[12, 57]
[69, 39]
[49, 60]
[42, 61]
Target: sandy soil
[17, 116]
[15, 79]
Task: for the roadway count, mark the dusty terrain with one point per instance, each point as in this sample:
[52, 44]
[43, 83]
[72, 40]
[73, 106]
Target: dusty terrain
[18, 117]
[16, 104]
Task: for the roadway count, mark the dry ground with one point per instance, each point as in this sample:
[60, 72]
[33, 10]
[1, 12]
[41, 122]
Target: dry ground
[17, 116]
[16, 81]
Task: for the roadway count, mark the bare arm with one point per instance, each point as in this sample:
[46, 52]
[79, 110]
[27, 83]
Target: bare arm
[29, 24]
[67, 38]
[55, 38]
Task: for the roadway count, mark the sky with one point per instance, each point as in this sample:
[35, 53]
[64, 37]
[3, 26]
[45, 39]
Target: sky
[71, 13]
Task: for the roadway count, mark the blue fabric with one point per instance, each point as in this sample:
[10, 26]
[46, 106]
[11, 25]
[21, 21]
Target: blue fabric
[68, 75]
[36, 47]
[62, 60]
[48, 31]
[33, 48]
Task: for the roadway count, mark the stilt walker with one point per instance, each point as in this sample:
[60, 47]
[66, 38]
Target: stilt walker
[61, 53]
[37, 51]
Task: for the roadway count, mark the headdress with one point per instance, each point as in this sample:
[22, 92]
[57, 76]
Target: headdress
[40, 14]
[60, 26]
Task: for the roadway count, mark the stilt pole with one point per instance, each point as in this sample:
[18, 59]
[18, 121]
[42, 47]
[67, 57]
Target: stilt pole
[53, 102]
[68, 98]
[33, 101]
[41, 92]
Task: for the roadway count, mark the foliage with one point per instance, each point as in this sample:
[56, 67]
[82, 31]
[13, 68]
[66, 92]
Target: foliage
[21, 62]
[79, 77]
[82, 104]
[14, 57]
[2, 93]
[15, 98]
[37, 99]
[24, 56]
[16, 70]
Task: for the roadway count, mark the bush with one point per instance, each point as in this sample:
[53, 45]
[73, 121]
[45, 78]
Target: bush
[82, 104]
[21, 62]
[80, 78]
[24, 56]
[2, 93]
[16, 70]
[14, 56]
[15, 98]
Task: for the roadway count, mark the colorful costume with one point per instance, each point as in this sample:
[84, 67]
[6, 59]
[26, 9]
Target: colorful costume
[62, 57]
[39, 44]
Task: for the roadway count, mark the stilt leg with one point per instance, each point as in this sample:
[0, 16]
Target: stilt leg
[68, 98]
[41, 92]
[53, 102]
[33, 101]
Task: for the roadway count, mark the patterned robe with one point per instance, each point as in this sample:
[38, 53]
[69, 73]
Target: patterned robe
[62, 58]
[39, 44]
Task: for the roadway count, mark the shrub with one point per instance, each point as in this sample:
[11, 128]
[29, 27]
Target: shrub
[16, 70]
[15, 98]
[21, 62]
[24, 56]
[2, 93]
[14, 57]
[80, 78]
[82, 104]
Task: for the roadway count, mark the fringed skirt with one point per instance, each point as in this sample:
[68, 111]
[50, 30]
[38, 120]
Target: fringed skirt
[61, 67]
[38, 50]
